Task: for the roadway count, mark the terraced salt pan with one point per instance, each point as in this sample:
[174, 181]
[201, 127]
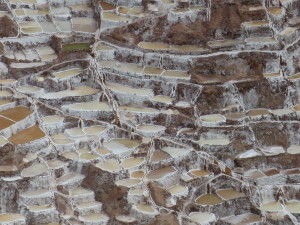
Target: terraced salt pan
[118, 146]
[97, 217]
[137, 174]
[213, 118]
[81, 7]
[201, 217]
[214, 141]
[153, 71]
[27, 135]
[61, 139]
[132, 162]
[16, 114]
[144, 208]
[160, 173]
[139, 110]
[129, 90]
[228, 194]
[84, 24]
[258, 112]
[114, 17]
[128, 182]
[158, 156]
[129, 68]
[281, 111]
[67, 73]
[36, 193]
[4, 102]
[150, 128]
[270, 75]
[271, 207]
[254, 174]
[53, 119]
[154, 45]
[110, 165]
[256, 23]
[273, 150]
[294, 149]
[162, 99]
[5, 94]
[177, 190]
[79, 91]
[208, 199]
[102, 151]
[34, 170]
[7, 81]
[249, 154]
[243, 219]
[27, 89]
[10, 217]
[88, 156]
[94, 130]
[176, 152]
[64, 26]
[235, 116]
[262, 40]
[224, 43]
[199, 173]
[55, 164]
[175, 74]
[75, 132]
[3, 141]
[126, 219]
[89, 106]
[293, 206]
[106, 6]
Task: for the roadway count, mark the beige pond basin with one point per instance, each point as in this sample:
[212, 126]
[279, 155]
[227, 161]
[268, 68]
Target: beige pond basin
[161, 46]
[136, 191]
[258, 112]
[139, 174]
[271, 207]
[75, 132]
[160, 173]
[294, 149]
[235, 116]
[144, 208]
[187, 48]
[158, 156]
[212, 118]
[162, 99]
[55, 164]
[224, 43]
[150, 128]
[228, 194]
[256, 23]
[84, 24]
[273, 150]
[7, 81]
[96, 217]
[214, 141]
[67, 73]
[243, 219]
[106, 6]
[132, 162]
[102, 151]
[103, 47]
[202, 217]
[282, 111]
[271, 172]
[175, 74]
[248, 154]
[254, 174]
[94, 130]
[53, 119]
[128, 182]
[16, 114]
[293, 206]
[125, 219]
[262, 40]
[34, 170]
[61, 139]
[199, 173]
[275, 10]
[129, 90]
[139, 109]
[4, 123]
[40, 208]
[176, 152]
[10, 217]
[114, 17]
[3, 141]
[89, 106]
[77, 92]
[27, 135]
[27, 89]
[208, 199]
[118, 145]
[88, 156]
[177, 190]
[287, 31]
[5, 94]
[129, 68]
[110, 165]
[71, 155]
